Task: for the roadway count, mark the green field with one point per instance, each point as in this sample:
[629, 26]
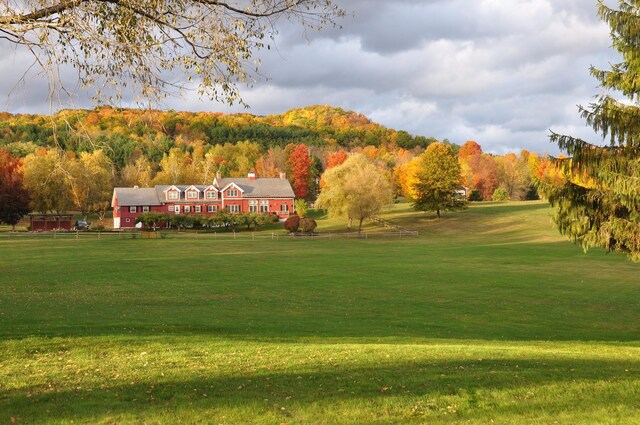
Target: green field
[487, 317]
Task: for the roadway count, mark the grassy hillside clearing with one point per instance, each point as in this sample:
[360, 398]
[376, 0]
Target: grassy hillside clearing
[487, 316]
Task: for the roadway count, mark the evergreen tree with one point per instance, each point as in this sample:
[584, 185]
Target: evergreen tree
[599, 204]
[436, 180]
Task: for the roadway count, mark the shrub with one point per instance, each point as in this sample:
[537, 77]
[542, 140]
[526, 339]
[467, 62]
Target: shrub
[308, 225]
[475, 196]
[500, 194]
[292, 223]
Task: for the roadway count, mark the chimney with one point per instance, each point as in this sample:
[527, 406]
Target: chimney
[218, 175]
[251, 175]
[135, 187]
[283, 176]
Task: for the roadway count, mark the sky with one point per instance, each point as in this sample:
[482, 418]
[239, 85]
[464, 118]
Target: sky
[501, 72]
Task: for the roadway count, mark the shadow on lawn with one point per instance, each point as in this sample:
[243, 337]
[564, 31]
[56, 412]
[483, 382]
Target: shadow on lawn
[475, 384]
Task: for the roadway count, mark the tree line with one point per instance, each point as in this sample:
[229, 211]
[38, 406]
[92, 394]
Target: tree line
[56, 179]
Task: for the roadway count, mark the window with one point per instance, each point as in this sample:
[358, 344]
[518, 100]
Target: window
[284, 208]
[177, 209]
[170, 208]
[212, 208]
[133, 209]
[197, 208]
[145, 209]
[264, 208]
[233, 208]
[187, 208]
[192, 194]
[253, 206]
[211, 194]
[127, 220]
[232, 193]
[173, 195]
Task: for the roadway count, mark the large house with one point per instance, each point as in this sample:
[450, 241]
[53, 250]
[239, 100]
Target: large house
[236, 195]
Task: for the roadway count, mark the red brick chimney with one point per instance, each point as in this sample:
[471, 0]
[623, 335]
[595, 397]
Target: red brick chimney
[251, 175]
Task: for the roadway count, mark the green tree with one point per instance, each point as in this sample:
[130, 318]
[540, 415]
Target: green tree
[357, 189]
[151, 220]
[437, 180]
[599, 205]
[135, 45]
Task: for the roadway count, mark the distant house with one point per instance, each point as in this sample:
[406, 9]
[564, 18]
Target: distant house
[236, 195]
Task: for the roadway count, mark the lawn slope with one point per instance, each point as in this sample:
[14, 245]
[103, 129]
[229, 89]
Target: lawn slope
[488, 315]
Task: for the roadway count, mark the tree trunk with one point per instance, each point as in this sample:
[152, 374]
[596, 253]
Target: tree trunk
[350, 223]
[438, 212]
[360, 226]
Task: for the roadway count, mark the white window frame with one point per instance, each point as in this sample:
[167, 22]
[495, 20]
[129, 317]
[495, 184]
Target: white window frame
[284, 207]
[187, 209]
[192, 194]
[235, 208]
[197, 209]
[173, 195]
[145, 209]
[264, 208]
[171, 208]
[177, 209]
[211, 194]
[212, 208]
[133, 210]
[232, 193]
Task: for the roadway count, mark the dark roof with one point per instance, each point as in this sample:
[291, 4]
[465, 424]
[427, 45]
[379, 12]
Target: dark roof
[260, 187]
[251, 188]
[131, 196]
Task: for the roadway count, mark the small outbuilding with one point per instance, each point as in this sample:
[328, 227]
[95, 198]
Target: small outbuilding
[48, 222]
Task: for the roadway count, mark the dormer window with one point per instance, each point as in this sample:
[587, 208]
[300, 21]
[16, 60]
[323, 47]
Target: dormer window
[232, 193]
[192, 194]
[173, 195]
[211, 194]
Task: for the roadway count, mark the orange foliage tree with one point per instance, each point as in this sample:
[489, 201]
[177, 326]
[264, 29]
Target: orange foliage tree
[336, 158]
[300, 165]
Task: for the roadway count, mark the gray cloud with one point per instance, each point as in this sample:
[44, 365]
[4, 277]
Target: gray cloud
[502, 73]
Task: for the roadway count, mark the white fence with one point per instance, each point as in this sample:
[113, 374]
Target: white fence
[245, 235]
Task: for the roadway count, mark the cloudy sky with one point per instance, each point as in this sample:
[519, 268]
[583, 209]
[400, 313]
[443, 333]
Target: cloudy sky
[501, 72]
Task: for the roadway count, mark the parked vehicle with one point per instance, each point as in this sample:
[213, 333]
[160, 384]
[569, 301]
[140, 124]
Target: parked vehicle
[81, 225]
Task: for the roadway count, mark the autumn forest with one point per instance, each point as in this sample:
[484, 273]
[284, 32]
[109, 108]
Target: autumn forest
[73, 159]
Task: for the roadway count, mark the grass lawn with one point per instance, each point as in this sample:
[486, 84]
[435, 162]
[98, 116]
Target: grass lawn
[487, 317]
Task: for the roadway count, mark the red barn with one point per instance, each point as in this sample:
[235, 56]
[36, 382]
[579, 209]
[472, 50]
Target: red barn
[46, 222]
[236, 195]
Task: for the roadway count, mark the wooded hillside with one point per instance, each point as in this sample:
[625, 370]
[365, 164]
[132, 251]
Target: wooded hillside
[120, 131]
